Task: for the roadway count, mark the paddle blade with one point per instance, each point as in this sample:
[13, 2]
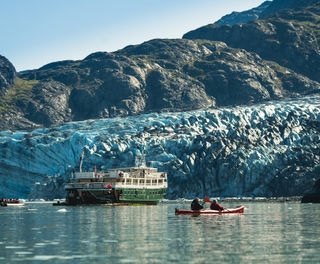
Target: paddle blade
[206, 199]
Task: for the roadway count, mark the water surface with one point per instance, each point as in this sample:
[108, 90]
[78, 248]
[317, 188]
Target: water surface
[265, 233]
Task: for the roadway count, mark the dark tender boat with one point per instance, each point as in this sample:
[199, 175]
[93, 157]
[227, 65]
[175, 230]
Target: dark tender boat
[314, 195]
[11, 202]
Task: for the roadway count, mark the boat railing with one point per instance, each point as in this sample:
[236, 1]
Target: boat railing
[132, 182]
[143, 182]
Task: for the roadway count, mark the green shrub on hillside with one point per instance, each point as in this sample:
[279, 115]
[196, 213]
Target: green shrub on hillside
[21, 90]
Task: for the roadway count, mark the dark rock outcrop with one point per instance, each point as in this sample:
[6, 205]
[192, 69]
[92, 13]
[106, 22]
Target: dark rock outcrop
[291, 38]
[243, 17]
[48, 104]
[279, 6]
[7, 74]
[266, 9]
[314, 195]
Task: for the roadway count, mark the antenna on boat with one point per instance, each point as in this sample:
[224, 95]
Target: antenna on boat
[140, 160]
[81, 161]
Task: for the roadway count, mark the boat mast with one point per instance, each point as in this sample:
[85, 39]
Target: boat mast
[81, 161]
[140, 159]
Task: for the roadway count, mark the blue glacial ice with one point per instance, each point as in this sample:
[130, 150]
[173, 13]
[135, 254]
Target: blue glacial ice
[271, 149]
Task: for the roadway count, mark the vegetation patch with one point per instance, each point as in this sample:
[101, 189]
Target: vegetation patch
[21, 90]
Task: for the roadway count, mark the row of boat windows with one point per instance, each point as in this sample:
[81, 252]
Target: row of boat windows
[128, 192]
[131, 181]
[95, 180]
[141, 181]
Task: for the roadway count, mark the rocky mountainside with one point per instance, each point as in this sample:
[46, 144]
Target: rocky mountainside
[269, 149]
[159, 75]
[243, 17]
[279, 6]
[266, 9]
[290, 38]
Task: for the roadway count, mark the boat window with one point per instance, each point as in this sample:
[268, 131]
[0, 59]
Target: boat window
[135, 181]
[129, 181]
[141, 181]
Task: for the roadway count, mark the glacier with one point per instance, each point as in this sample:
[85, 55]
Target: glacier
[270, 149]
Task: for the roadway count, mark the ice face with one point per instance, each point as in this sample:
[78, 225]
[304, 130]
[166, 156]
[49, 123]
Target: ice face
[271, 149]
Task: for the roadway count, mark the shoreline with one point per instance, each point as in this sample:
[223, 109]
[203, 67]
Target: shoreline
[220, 199]
[244, 199]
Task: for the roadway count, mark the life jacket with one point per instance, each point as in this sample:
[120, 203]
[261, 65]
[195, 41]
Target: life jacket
[195, 205]
[216, 206]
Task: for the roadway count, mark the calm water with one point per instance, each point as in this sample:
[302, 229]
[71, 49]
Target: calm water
[265, 233]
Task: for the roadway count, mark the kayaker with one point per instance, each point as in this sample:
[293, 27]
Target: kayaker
[195, 205]
[215, 206]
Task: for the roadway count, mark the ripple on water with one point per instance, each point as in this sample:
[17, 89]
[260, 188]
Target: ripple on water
[128, 261]
[60, 257]
[23, 252]
[40, 244]
[14, 247]
[110, 241]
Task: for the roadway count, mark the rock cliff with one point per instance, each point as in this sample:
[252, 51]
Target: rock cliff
[290, 38]
[7, 74]
[158, 75]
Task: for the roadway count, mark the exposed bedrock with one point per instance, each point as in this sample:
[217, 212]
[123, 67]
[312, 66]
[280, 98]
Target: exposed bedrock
[291, 38]
[7, 74]
[155, 76]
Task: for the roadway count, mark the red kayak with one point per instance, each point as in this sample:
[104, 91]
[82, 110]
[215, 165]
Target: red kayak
[238, 210]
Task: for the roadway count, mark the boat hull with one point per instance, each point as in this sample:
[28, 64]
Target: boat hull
[12, 202]
[15, 205]
[238, 210]
[119, 195]
[148, 196]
